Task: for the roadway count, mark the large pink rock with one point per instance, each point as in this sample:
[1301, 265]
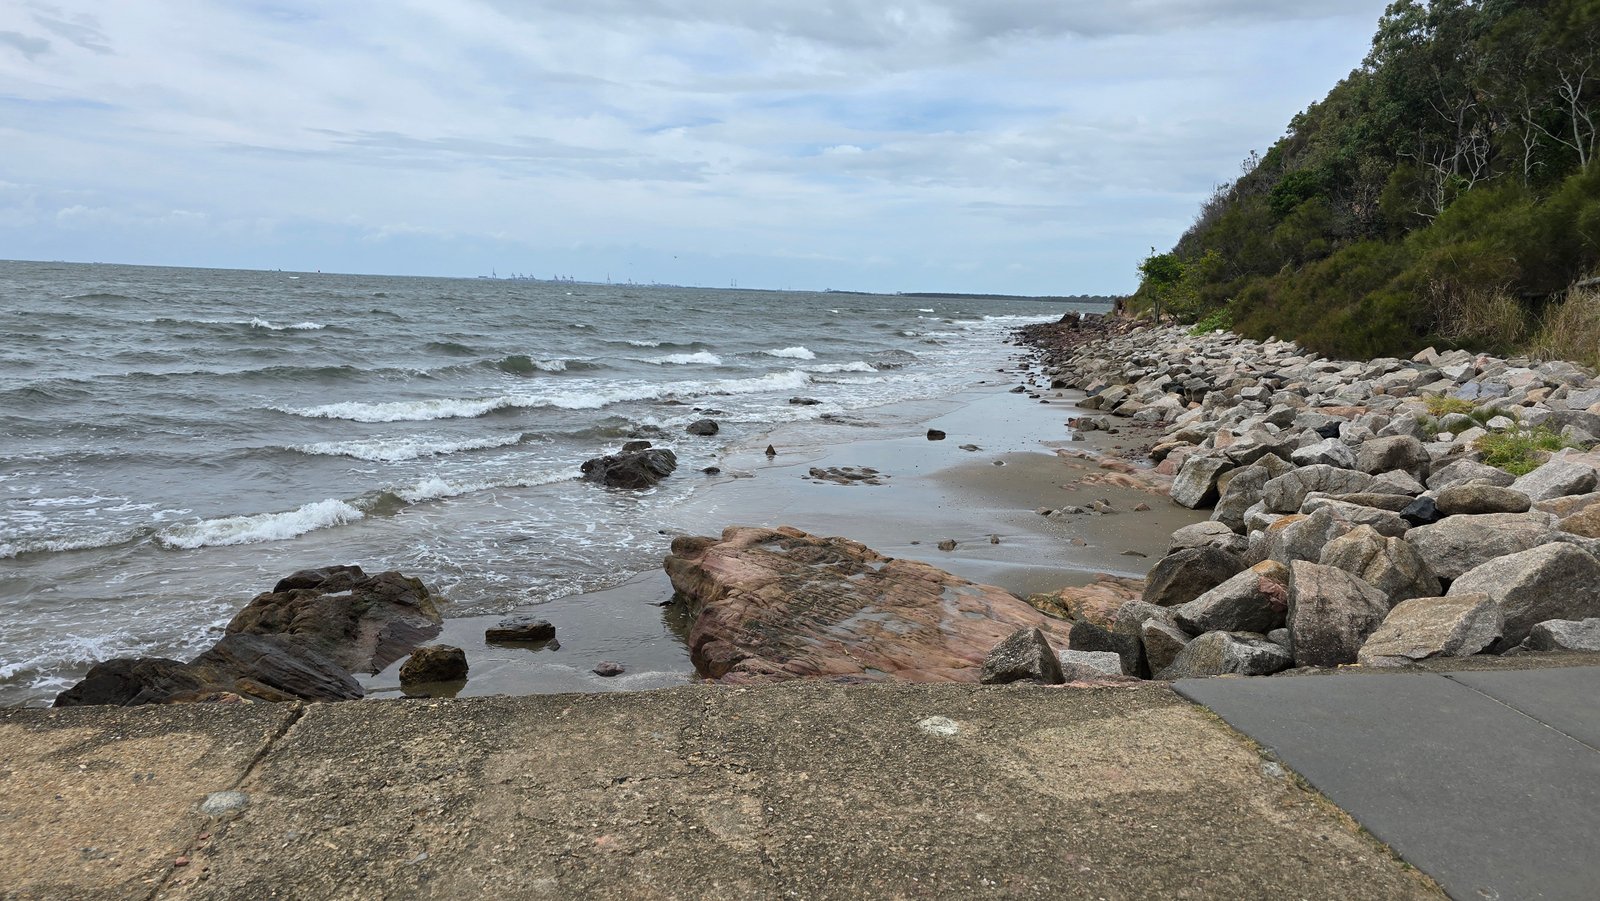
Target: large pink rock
[776, 604]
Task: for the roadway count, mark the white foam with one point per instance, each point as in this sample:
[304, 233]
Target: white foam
[56, 545]
[792, 353]
[397, 450]
[921, 310]
[703, 357]
[645, 343]
[261, 527]
[857, 366]
[573, 399]
[550, 365]
[435, 487]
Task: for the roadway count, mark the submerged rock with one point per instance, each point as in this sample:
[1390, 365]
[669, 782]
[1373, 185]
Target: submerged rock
[775, 604]
[520, 628]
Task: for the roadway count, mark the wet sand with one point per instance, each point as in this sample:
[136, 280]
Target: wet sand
[933, 491]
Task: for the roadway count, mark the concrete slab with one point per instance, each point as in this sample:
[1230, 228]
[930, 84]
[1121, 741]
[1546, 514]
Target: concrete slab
[801, 790]
[98, 802]
[1485, 799]
[1567, 700]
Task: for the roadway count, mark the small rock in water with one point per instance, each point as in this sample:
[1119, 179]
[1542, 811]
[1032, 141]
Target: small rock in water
[712, 470]
[804, 401]
[434, 663]
[771, 452]
[994, 539]
[999, 462]
[935, 435]
[521, 628]
[1019, 389]
[970, 447]
[949, 544]
[633, 446]
[1142, 508]
[607, 668]
[703, 427]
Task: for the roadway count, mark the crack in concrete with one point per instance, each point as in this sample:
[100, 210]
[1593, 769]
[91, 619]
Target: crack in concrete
[1553, 728]
[296, 713]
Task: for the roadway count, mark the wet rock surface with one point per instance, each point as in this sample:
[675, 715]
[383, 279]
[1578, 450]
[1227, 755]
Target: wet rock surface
[635, 470]
[303, 640]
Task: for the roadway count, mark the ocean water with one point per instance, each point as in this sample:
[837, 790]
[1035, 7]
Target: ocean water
[172, 441]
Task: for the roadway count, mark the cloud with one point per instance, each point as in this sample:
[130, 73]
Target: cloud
[1005, 145]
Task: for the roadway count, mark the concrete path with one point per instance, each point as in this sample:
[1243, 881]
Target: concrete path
[1487, 781]
[796, 791]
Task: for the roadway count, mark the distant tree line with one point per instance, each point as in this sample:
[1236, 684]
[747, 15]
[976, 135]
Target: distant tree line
[1446, 191]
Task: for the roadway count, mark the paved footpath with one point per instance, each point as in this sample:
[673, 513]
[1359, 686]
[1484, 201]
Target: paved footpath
[794, 791]
[1489, 781]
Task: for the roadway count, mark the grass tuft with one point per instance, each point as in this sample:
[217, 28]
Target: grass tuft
[1520, 451]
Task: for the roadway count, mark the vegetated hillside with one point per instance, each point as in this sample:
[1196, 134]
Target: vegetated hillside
[1445, 192]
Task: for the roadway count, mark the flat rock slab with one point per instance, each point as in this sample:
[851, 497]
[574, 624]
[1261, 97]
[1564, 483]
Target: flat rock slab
[98, 802]
[1485, 798]
[802, 790]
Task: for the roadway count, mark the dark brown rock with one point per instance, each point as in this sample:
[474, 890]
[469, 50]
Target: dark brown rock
[434, 663]
[636, 470]
[521, 628]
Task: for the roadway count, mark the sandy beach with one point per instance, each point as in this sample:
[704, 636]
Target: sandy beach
[934, 491]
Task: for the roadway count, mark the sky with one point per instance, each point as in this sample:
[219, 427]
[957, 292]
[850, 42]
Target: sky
[992, 146]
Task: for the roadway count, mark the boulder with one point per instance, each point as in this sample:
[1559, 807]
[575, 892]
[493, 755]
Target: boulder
[1470, 471]
[1203, 534]
[1564, 635]
[1162, 642]
[767, 605]
[1552, 581]
[1243, 491]
[1195, 485]
[1557, 478]
[1331, 614]
[1426, 627]
[1388, 564]
[1181, 577]
[1079, 666]
[1135, 613]
[1585, 522]
[1096, 602]
[1223, 653]
[520, 628]
[703, 427]
[1022, 656]
[1473, 498]
[303, 640]
[1421, 512]
[1255, 600]
[1086, 636]
[1402, 452]
[434, 663]
[1456, 544]
[1287, 492]
[636, 470]
[1329, 451]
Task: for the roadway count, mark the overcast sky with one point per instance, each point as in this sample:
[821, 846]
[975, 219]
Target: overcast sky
[1019, 146]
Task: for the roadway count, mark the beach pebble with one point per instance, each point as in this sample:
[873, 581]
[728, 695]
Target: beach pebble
[935, 435]
[949, 544]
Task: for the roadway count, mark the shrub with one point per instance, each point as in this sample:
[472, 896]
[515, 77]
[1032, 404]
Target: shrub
[1220, 320]
[1444, 405]
[1570, 329]
[1520, 451]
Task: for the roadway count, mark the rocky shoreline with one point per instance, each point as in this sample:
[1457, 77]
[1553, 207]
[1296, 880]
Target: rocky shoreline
[1358, 514]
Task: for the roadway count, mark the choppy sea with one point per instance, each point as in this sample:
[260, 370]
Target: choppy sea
[172, 441]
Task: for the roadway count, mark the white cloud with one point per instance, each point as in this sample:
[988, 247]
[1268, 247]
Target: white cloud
[1008, 145]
